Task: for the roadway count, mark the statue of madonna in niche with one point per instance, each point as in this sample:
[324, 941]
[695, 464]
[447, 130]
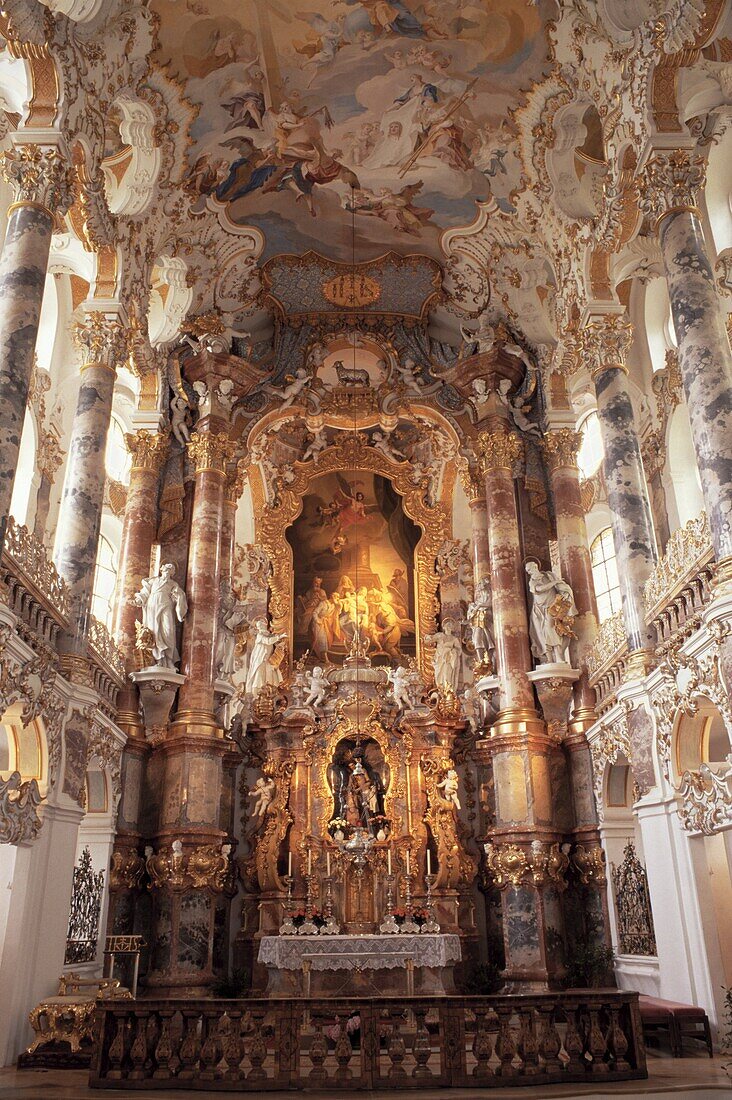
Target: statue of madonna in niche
[359, 779]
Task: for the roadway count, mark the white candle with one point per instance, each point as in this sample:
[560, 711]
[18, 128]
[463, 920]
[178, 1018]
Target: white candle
[388, 861]
[310, 861]
[327, 863]
[429, 862]
[408, 868]
[289, 864]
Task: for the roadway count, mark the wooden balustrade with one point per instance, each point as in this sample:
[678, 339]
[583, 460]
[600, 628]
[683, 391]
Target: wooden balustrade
[256, 1045]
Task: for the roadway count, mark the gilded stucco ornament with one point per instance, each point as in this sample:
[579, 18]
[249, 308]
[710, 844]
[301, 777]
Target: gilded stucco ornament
[671, 183]
[611, 741]
[19, 802]
[606, 342]
[211, 451]
[706, 799]
[542, 864]
[499, 450]
[148, 450]
[101, 339]
[38, 175]
[561, 447]
[127, 869]
[686, 548]
[589, 863]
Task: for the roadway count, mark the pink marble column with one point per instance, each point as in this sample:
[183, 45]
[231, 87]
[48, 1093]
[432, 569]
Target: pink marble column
[561, 447]
[210, 452]
[500, 450]
[235, 478]
[479, 542]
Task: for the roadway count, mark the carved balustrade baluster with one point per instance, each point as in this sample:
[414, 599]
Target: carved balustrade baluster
[573, 1044]
[116, 1053]
[257, 1048]
[618, 1042]
[596, 1044]
[211, 1046]
[506, 1043]
[231, 1042]
[422, 1046]
[343, 1051]
[528, 1046]
[138, 1050]
[164, 1047]
[397, 1051]
[549, 1041]
[482, 1043]
[318, 1053]
[191, 1045]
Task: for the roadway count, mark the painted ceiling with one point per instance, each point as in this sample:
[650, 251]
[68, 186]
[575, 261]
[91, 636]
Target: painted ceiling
[316, 116]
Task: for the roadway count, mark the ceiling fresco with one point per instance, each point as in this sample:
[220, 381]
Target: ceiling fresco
[313, 115]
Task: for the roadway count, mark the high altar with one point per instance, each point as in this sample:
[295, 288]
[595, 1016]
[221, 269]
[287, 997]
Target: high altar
[363, 743]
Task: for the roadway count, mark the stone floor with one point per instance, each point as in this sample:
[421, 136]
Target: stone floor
[669, 1077]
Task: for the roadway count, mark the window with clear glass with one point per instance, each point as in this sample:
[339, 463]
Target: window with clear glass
[105, 580]
[117, 459]
[605, 575]
[590, 452]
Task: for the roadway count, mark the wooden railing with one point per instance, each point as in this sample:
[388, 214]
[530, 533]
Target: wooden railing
[257, 1045]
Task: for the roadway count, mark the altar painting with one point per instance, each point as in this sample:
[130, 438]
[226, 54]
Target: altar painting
[353, 563]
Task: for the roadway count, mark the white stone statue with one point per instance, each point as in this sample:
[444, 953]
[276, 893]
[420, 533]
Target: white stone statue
[318, 687]
[405, 371]
[264, 791]
[380, 442]
[294, 388]
[163, 601]
[517, 409]
[478, 342]
[553, 611]
[317, 356]
[450, 786]
[481, 393]
[400, 679]
[448, 656]
[179, 419]
[478, 614]
[317, 444]
[231, 614]
[261, 671]
[225, 394]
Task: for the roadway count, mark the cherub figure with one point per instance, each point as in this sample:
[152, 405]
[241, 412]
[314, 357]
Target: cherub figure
[318, 687]
[380, 442]
[481, 393]
[264, 792]
[479, 342]
[400, 678]
[406, 371]
[295, 387]
[317, 444]
[517, 410]
[450, 786]
[179, 419]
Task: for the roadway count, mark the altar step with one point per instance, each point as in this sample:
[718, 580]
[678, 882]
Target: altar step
[365, 1043]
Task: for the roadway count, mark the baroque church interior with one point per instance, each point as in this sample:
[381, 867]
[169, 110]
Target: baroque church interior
[366, 576]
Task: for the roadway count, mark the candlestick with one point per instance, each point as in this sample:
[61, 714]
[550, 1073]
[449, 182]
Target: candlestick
[409, 924]
[308, 926]
[289, 864]
[287, 928]
[430, 925]
[389, 925]
[327, 863]
[408, 867]
[310, 861]
[429, 862]
[331, 926]
[388, 861]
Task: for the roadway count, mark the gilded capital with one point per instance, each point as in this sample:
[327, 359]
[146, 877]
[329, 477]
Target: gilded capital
[236, 476]
[561, 447]
[211, 452]
[671, 183]
[472, 484]
[606, 342]
[39, 176]
[148, 450]
[49, 456]
[101, 338]
[499, 450]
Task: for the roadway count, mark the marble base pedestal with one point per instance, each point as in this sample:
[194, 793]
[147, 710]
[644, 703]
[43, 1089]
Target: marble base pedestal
[554, 686]
[158, 686]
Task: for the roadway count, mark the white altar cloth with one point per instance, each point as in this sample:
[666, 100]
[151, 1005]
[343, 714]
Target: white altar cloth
[367, 952]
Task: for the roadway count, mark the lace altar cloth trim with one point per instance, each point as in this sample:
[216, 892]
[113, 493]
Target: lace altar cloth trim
[358, 952]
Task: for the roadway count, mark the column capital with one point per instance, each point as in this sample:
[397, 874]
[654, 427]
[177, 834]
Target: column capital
[561, 447]
[211, 451]
[606, 342]
[39, 176]
[102, 340]
[470, 480]
[671, 183]
[236, 477]
[499, 450]
[148, 449]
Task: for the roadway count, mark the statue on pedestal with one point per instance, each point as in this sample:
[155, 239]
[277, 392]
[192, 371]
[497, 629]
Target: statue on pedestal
[261, 670]
[319, 686]
[448, 656]
[479, 610]
[263, 791]
[553, 611]
[450, 786]
[163, 602]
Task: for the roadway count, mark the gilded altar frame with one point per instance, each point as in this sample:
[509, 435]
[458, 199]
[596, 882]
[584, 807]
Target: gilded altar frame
[353, 453]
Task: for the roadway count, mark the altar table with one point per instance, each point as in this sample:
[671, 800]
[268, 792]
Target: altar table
[301, 961]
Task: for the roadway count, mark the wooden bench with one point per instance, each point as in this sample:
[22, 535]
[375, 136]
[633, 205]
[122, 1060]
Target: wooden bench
[680, 1020]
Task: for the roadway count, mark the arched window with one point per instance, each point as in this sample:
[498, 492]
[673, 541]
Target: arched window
[105, 580]
[117, 459]
[605, 575]
[590, 452]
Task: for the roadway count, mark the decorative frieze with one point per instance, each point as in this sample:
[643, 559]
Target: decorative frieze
[208, 867]
[540, 864]
[39, 176]
[671, 182]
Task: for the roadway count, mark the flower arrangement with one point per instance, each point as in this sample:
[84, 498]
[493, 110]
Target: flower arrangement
[338, 827]
[419, 915]
[299, 916]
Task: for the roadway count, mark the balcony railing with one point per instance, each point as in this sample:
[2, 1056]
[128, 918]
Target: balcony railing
[36, 592]
[256, 1045]
[104, 646]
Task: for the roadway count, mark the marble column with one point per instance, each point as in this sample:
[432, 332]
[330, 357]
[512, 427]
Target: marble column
[560, 448]
[235, 478]
[40, 182]
[479, 543]
[607, 340]
[672, 183]
[500, 451]
[101, 338]
[148, 450]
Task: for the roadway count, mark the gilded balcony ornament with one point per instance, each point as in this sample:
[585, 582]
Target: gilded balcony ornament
[29, 555]
[589, 864]
[101, 339]
[39, 176]
[706, 799]
[499, 450]
[104, 646]
[606, 342]
[148, 450]
[561, 448]
[687, 548]
[609, 642]
[210, 451]
[19, 802]
[671, 183]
